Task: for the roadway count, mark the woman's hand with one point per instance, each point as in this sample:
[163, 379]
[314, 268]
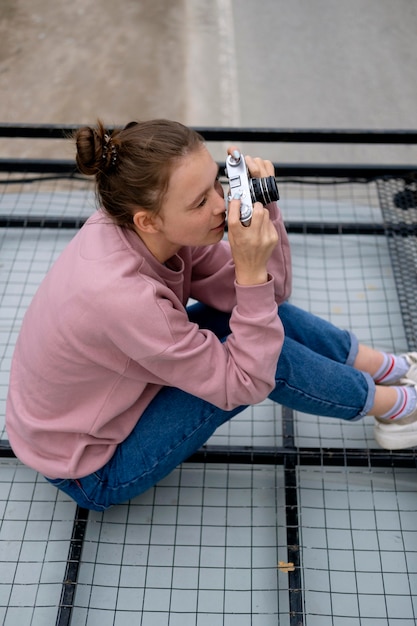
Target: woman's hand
[252, 245]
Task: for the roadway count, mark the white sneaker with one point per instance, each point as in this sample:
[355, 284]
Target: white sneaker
[411, 374]
[396, 434]
[401, 433]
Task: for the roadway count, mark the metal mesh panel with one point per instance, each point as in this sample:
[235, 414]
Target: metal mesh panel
[283, 518]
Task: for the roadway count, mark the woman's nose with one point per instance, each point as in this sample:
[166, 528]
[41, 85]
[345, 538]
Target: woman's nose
[220, 205]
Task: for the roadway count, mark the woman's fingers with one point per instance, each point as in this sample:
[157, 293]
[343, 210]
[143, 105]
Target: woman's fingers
[259, 168]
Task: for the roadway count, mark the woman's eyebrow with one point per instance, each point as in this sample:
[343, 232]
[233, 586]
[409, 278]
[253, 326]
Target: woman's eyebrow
[203, 192]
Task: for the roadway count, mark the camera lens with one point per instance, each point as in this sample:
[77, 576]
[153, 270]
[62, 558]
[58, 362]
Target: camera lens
[264, 190]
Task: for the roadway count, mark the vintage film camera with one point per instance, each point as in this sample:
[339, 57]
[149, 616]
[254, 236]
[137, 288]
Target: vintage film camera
[250, 190]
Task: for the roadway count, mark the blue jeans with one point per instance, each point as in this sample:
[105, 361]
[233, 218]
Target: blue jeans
[314, 375]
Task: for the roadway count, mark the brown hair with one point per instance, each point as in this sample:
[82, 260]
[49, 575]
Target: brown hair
[132, 166]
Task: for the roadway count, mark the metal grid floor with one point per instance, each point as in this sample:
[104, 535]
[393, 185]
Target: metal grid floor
[318, 528]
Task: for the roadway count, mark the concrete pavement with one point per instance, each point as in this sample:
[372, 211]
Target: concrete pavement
[272, 63]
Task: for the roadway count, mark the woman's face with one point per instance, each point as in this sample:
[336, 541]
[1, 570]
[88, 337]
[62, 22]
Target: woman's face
[193, 208]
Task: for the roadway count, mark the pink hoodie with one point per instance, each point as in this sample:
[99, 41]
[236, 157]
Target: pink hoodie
[108, 328]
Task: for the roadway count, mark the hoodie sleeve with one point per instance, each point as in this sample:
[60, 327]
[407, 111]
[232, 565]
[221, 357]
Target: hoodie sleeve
[214, 274]
[170, 350]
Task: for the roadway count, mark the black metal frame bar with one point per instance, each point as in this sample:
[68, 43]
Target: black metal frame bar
[363, 172]
[234, 133]
[289, 455]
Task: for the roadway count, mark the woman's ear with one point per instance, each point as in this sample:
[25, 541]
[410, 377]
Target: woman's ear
[145, 221]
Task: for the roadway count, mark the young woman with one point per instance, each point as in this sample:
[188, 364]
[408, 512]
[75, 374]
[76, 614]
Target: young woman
[114, 381]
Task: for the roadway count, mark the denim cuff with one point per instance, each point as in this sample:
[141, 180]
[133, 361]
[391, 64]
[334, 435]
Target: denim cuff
[354, 348]
[370, 399]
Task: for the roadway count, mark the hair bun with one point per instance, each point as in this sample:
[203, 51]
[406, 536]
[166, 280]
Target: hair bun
[95, 149]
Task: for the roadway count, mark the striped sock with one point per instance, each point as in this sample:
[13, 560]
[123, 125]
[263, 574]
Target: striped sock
[405, 404]
[392, 368]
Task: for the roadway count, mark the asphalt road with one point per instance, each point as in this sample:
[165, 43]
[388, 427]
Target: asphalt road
[270, 63]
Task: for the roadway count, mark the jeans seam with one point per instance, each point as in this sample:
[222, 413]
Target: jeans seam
[169, 453]
[113, 489]
[324, 402]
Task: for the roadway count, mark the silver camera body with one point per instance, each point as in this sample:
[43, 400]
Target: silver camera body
[249, 190]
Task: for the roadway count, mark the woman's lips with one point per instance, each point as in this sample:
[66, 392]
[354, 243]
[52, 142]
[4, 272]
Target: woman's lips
[222, 225]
